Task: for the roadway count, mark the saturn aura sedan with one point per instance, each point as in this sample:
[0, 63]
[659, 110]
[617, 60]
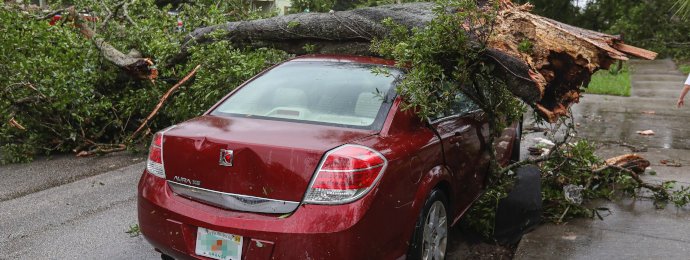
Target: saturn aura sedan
[315, 158]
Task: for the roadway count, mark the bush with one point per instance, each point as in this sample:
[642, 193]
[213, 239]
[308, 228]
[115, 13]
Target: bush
[66, 97]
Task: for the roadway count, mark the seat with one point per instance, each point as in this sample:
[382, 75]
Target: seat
[368, 105]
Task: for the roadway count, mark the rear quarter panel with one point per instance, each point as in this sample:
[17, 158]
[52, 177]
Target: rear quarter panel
[415, 166]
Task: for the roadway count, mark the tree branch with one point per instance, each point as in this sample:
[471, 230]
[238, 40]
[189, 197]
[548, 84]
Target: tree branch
[163, 99]
[141, 68]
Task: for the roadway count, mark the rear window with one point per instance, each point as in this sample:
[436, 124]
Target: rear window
[332, 93]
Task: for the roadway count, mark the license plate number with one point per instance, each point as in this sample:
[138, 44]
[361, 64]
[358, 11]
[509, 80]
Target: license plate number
[218, 245]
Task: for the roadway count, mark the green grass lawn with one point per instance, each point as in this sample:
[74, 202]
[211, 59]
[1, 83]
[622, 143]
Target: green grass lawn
[606, 83]
[685, 68]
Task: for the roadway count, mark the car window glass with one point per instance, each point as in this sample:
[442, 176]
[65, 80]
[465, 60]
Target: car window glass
[462, 104]
[336, 93]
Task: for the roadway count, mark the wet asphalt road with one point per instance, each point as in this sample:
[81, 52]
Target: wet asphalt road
[69, 208]
[634, 228]
[80, 208]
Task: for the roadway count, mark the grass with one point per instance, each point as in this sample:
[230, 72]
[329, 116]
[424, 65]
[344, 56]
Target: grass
[685, 68]
[606, 82]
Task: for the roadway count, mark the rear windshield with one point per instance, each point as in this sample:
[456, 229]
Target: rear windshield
[332, 93]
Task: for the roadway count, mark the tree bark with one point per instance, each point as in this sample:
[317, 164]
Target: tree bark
[138, 67]
[547, 75]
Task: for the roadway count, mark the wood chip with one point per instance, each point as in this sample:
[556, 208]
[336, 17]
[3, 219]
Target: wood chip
[645, 132]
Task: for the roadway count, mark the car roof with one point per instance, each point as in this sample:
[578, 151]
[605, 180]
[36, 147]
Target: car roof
[343, 58]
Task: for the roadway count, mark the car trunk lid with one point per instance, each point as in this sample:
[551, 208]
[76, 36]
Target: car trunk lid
[271, 159]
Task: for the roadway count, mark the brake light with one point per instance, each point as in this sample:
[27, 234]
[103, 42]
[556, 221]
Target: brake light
[154, 164]
[346, 174]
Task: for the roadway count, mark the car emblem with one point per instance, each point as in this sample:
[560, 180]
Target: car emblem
[226, 157]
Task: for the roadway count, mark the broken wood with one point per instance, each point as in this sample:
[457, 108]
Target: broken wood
[633, 162]
[15, 124]
[163, 99]
[103, 149]
[547, 77]
[633, 165]
[141, 68]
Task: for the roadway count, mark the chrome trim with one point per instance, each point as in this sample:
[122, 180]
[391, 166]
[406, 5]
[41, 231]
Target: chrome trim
[223, 153]
[233, 201]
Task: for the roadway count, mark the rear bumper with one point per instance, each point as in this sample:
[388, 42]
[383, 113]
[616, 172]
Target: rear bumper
[169, 222]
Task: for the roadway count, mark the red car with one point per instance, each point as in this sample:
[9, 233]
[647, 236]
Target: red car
[315, 159]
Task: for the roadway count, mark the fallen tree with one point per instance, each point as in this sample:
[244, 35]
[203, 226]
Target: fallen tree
[544, 62]
[87, 108]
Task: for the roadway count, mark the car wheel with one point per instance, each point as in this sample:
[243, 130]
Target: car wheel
[515, 152]
[430, 237]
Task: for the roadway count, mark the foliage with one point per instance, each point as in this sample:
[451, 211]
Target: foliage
[441, 61]
[685, 68]
[59, 69]
[653, 25]
[661, 26]
[560, 10]
[56, 85]
[481, 217]
[572, 176]
[299, 6]
[682, 8]
[133, 230]
[611, 82]
[445, 62]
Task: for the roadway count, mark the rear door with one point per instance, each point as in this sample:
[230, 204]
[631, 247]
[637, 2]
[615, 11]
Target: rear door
[460, 130]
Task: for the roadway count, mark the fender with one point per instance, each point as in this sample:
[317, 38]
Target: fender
[432, 178]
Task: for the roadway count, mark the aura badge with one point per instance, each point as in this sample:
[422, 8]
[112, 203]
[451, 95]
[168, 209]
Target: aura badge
[226, 157]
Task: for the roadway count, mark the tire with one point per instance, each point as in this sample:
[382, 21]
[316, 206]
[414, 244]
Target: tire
[515, 151]
[433, 221]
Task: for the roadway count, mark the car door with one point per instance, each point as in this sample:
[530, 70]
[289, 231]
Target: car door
[460, 129]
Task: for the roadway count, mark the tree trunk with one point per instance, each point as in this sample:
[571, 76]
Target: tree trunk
[547, 74]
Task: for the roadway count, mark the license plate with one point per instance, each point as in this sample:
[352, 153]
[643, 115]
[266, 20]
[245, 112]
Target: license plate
[218, 245]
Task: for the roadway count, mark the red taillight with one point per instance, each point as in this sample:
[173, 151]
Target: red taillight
[154, 164]
[346, 174]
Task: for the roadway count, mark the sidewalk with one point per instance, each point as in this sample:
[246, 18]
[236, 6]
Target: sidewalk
[635, 229]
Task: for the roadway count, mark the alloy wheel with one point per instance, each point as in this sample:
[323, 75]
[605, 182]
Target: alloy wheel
[435, 232]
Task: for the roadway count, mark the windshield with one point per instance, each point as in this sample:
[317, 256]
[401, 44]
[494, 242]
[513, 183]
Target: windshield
[333, 93]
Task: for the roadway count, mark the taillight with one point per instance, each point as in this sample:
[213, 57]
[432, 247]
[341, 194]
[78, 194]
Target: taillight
[154, 164]
[346, 174]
